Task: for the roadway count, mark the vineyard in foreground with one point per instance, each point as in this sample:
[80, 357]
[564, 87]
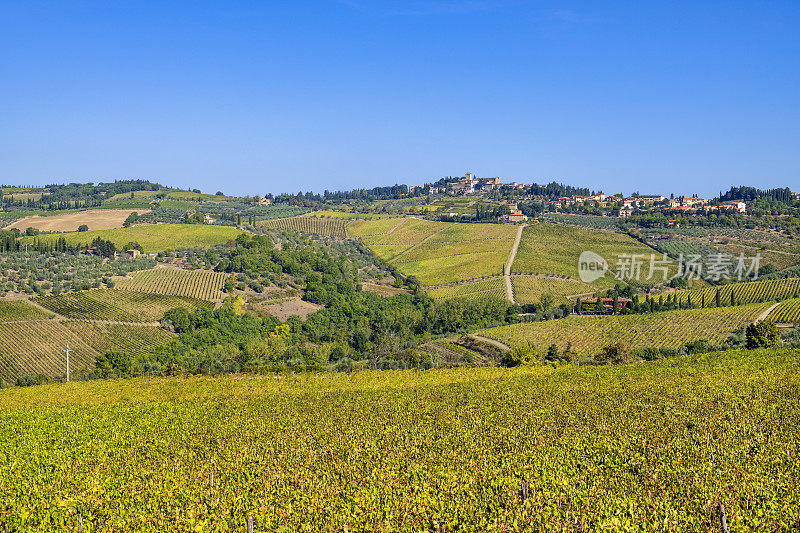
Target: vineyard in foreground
[652, 446]
[118, 305]
[669, 329]
[202, 284]
[333, 227]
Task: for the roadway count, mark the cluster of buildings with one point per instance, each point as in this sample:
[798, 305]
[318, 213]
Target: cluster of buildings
[470, 184]
[694, 205]
[514, 214]
[624, 206]
[620, 205]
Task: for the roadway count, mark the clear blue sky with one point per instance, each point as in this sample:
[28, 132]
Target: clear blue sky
[271, 96]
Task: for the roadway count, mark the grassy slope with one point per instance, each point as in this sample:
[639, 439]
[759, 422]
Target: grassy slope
[602, 448]
[589, 334]
[153, 237]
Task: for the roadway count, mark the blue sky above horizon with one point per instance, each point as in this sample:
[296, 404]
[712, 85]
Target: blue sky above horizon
[255, 97]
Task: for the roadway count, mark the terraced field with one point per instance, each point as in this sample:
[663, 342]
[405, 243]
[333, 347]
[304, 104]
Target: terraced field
[670, 329]
[489, 288]
[530, 289]
[117, 305]
[152, 237]
[333, 227]
[743, 293]
[554, 250]
[11, 310]
[202, 284]
[787, 312]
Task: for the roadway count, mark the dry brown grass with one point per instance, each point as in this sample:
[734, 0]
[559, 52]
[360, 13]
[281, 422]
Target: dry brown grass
[94, 218]
[286, 308]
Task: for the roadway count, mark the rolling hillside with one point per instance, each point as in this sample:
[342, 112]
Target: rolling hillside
[554, 250]
[152, 237]
[669, 329]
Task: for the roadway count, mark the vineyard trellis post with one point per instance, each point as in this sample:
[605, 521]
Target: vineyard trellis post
[67, 350]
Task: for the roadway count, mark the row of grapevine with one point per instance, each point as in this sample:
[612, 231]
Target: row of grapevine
[202, 284]
[333, 227]
[20, 310]
[587, 221]
[37, 347]
[669, 329]
[741, 293]
[787, 312]
[658, 446]
[490, 288]
[530, 289]
[117, 305]
[131, 339]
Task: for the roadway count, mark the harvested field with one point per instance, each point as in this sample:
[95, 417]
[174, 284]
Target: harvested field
[94, 218]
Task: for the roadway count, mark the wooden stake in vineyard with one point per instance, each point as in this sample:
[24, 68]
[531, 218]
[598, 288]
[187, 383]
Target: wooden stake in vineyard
[67, 350]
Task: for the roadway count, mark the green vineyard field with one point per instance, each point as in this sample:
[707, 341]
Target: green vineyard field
[787, 312]
[202, 284]
[20, 310]
[669, 329]
[438, 253]
[743, 293]
[37, 347]
[152, 237]
[332, 227]
[131, 339]
[530, 289]
[489, 288]
[117, 305]
[654, 446]
[554, 250]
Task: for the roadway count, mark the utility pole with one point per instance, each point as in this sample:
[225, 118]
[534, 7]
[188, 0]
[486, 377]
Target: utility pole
[67, 350]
